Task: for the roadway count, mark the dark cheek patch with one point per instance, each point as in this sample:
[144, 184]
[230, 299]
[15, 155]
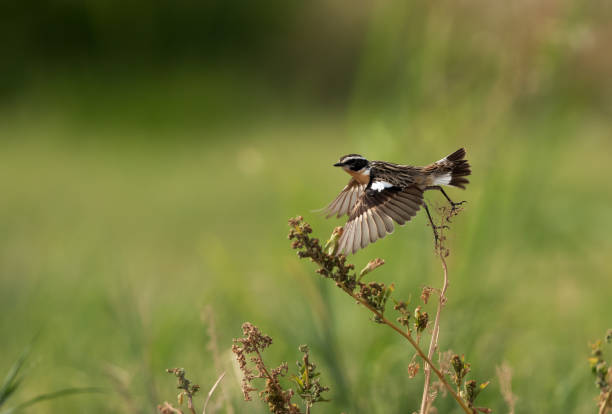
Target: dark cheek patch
[358, 165]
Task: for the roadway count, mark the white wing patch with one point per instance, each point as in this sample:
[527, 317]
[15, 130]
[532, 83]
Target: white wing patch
[443, 179]
[381, 185]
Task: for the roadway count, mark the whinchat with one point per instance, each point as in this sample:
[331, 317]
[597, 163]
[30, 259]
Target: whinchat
[380, 193]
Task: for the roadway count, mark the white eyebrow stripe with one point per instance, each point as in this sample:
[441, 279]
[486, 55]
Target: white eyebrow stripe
[352, 158]
[380, 185]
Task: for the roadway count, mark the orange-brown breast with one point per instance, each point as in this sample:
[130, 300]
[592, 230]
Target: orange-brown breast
[361, 178]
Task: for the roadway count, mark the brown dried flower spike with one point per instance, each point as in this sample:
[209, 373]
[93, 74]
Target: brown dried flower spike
[374, 297]
[278, 399]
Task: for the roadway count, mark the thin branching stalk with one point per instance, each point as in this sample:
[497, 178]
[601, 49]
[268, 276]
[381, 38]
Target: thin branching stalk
[212, 390]
[335, 267]
[190, 404]
[606, 404]
[263, 367]
[418, 349]
[208, 317]
[504, 375]
[188, 390]
[603, 373]
[433, 343]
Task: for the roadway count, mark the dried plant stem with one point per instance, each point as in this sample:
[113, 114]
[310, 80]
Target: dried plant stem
[419, 351]
[190, 404]
[166, 407]
[207, 316]
[504, 375]
[433, 343]
[210, 393]
[373, 296]
[263, 367]
[606, 404]
[188, 390]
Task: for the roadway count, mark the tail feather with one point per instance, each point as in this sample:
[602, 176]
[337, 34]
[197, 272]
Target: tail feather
[457, 155]
[460, 168]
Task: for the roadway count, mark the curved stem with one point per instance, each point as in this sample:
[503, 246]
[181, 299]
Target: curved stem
[433, 344]
[607, 403]
[419, 351]
[263, 366]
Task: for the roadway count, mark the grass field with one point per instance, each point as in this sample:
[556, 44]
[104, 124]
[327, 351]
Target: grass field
[116, 236]
[145, 189]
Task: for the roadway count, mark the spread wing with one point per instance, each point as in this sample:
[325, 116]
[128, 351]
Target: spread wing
[346, 200]
[374, 213]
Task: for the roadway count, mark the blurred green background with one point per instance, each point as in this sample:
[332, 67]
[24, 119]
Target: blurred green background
[152, 152]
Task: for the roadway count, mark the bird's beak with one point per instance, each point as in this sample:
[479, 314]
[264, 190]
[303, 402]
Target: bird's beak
[338, 164]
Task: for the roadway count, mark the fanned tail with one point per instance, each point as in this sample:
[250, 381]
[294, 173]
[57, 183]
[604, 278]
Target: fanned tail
[460, 168]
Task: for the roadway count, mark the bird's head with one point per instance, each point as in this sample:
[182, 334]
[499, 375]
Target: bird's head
[353, 163]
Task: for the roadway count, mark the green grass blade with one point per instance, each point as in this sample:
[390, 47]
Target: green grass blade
[51, 396]
[11, 381]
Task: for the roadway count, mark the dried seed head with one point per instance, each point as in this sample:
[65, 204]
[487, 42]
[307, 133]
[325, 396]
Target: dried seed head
[413, 369]
[372, 265]
[457, 364]
[421, 319]
[426, 293]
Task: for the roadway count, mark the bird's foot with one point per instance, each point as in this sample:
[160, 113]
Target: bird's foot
[454, 205]
[437, 236]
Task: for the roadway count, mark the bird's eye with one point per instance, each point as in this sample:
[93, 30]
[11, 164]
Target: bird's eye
[357, 164]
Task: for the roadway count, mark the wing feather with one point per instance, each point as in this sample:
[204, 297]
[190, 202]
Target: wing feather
[379, 223]
[346, 240]
[356, 234]
[373, 225]
[390, 211]
[388, 222]
[365, 230]
[412, 202]
[399, 209]
[345, 201]
[373, 213]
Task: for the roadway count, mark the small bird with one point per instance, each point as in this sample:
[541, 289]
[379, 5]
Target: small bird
[380, 193]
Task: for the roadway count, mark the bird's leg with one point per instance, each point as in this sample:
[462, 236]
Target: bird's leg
[452, 203]
[433, 226]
